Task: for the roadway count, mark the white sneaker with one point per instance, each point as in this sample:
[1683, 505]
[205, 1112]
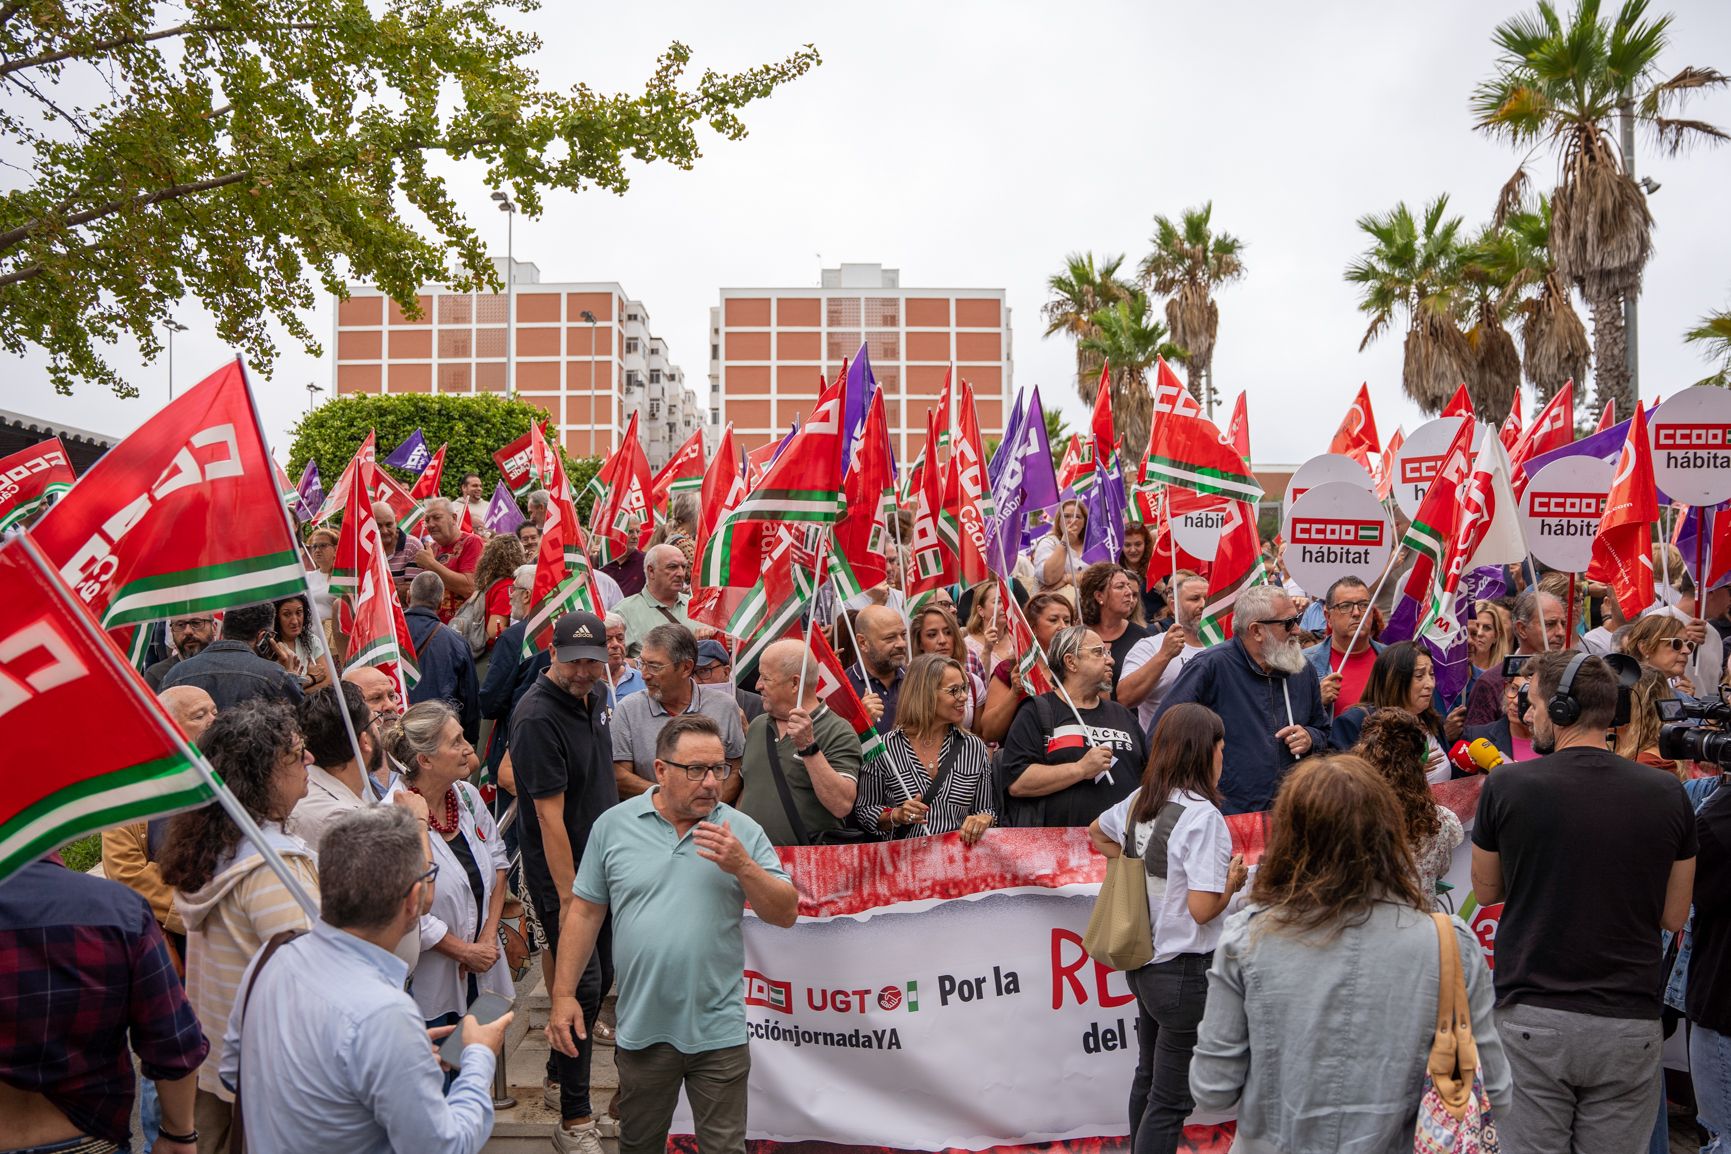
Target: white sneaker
[585, 1139]
[550, 1094]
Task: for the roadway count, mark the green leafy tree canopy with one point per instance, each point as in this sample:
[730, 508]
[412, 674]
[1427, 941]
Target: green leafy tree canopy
[235, 151]
[474, 428]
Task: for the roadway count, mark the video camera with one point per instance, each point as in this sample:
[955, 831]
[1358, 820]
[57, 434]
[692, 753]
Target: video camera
[1695, 730]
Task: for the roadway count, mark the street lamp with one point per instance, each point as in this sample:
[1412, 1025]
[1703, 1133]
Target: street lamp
[509, 208]
[173, 326]
[312, 390]
[589, 318]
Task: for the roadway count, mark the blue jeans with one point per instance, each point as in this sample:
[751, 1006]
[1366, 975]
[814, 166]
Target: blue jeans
[1710, 1070]
[1170, 997]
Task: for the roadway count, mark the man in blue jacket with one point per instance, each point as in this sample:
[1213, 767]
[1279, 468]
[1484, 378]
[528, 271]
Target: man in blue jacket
[442, 656]
[1265, 692]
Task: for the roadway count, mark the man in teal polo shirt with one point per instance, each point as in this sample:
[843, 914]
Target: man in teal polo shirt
[678, 948]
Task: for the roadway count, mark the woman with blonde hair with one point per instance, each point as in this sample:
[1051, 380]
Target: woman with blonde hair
[935, 776]
[1058, 555]
[1657, 642]
[1639, 739]
[935, 631]
[987, 638]
[1335, 906]
[1489, 640]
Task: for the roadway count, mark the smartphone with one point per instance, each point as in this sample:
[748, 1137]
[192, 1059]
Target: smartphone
[489, 1007]
[1513, 664]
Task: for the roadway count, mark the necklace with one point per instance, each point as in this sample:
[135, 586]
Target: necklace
[449, 825]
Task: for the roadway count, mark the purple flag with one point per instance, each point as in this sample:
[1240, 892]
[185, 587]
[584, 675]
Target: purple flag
[855, 400]
[502, 515]
[1027, 482]
[1606, 445]
[412, 454]
[312, 494]
[1006, 447]
[1687, 543]
[1105, 503]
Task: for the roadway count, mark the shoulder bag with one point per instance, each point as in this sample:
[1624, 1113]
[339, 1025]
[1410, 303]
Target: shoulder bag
[847, 835]
[1454, 1116]
[945, 763]
[470, 622]
[1119, 933]
[237, 1126]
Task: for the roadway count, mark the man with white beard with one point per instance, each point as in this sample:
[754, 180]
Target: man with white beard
[1266, 694]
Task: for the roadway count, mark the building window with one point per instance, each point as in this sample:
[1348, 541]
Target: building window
[491, 310]
[842, 312]
[883, 312]
[714, 351]
[454, 378]
[631, 343]
[456, 310]
[632, 380]
[634, 316]
[455, 343]
[490, 344]
[884, 346]
[654, 409]
[844, 344]
[655, 376]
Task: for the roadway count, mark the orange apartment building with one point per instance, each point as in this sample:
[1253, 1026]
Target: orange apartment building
[769, 347]
[589, 372]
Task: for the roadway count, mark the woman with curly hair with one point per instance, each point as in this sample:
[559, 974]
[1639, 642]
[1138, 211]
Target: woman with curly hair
[231, 902]
[1395, 744]
[493, 573]
[1335, 906]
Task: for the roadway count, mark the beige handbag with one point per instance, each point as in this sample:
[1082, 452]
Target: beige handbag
[1454, 1115]
[1119, 934]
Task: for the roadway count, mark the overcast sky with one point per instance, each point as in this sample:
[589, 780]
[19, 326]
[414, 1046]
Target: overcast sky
[975, 144]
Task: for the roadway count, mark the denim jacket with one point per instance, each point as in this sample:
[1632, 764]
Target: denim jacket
[1699, 790]
[1322, 1043]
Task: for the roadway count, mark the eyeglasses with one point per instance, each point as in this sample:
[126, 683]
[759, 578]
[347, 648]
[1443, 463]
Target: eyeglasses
[317, 545]
[1096, 650]
[720, 769]
[654, 666]
[1286, 623]
[186, 623]
[431, 876]
[1682, 644]
[956, 691]
[1352, 607]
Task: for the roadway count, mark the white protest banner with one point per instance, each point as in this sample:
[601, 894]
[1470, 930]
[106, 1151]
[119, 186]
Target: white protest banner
[1337, 529]
[1420, 458]
[955, 970]
[1198, 530]
[1692, 445]
[1320, 470]
[1560, 511]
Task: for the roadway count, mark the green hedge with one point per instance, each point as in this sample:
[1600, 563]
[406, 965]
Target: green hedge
[474, 428]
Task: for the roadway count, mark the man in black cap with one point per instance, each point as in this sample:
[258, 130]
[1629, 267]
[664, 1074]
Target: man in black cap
[560, 753]
[715, 667]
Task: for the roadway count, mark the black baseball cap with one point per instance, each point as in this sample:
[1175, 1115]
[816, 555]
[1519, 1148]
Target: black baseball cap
[579, 636]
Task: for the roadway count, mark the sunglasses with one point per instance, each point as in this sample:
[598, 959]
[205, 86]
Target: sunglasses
[1682, 645]
[1286, 623]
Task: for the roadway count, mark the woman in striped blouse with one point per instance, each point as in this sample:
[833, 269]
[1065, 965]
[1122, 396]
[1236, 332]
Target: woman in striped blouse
[896, 795]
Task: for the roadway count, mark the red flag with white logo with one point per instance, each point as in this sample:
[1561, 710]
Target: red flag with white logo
[1460, 405]
[32, 478]
[1238, 430]
[427, 484]
[1510, 433]
[621, 489]
[378, 632]
[1356, 437]
[1607, 415]
[1553, 428]
[683, 473]
[1623, 550]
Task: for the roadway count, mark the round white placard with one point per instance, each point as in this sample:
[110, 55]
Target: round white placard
[1335, 530]
[1321, 470]
[1560, 511]
[1420, 458]
[1691, 438]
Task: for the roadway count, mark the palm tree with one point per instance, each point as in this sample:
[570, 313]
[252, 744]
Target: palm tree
[1076, 294]
[1412, 271]
[1511, 259]
[1057, 436]
[1559, 82]
[1130, 338]
[1188, 263]
[1714, 334]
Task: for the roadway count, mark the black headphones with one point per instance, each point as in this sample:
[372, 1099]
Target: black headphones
[1563, 709]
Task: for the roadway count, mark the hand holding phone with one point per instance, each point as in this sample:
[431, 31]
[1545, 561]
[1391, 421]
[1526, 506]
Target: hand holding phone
[485, 1023]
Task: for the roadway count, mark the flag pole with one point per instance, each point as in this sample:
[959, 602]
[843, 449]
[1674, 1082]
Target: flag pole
[810, 616]
[1393, 560]
[859, 658]
[134, 684]
[306, 567]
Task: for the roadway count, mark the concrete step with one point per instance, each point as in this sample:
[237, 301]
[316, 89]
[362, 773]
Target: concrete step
[528, 1125]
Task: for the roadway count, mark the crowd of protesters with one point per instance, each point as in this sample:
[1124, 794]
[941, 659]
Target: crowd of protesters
[624, 791]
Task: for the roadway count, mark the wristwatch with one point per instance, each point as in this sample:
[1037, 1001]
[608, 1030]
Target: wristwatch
[808, 750]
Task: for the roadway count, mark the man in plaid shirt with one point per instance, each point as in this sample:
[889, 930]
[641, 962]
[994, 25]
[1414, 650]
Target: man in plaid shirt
[86, 965]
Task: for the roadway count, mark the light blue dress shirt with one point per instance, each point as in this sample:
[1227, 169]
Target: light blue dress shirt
[336, 1057]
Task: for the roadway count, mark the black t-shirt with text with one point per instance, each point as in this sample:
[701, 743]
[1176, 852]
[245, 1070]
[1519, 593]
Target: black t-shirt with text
[1045, 732]
[1586, 841]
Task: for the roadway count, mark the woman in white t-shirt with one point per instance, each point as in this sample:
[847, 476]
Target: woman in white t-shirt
[1056, 567]
[1179, 831]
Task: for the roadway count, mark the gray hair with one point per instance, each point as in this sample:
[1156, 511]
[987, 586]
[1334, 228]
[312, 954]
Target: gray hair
[1066, 642]
[682, 509]
[416, 733]
[539, 499]
[368, 861]
[614, 621]
[382, 511]
[663, 553]
[1527, 604]
[674, 640]
[426, 590]
[1255, 604]
[787, 657]
[523, 578]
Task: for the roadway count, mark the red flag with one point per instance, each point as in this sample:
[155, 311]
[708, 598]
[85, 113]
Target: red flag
[1460, 405]
[723, 486]
[1101, 424]
[1384, 473]
[1169, 393]
[862, 536]
[1189, 451]
[933, 565]
[1238, 431]
[1607, 415]
[183, 516]
[1356, 437]
[1553, 428]
[1433, 527]
[1074, 465]
[1237, 566]
[970, 501]
[427, 484]
[385, 488]
[516, 465]
[1623, 550]
[683, 473]
[563, 578]
[32, 478]
[835, 691]
[621, 490]
[1168, 556]
[378, 632]
[1510, 433]
[62, 675]
[1032, 670]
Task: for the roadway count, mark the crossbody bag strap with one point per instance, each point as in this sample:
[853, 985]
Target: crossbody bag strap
[1154, 858]
[801, 835]
[945, 763]
[237, 1127]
